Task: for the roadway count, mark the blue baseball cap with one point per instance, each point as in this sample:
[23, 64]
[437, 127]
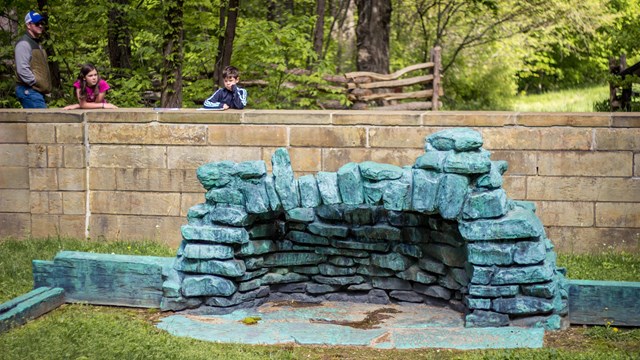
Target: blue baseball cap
[33, 17]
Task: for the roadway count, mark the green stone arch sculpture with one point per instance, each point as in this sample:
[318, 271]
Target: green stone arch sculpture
[442, 231]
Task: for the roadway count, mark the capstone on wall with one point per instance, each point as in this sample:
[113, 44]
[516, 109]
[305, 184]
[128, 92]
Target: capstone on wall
[129, 174]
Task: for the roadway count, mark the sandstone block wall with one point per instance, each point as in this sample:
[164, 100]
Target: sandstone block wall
[130, 173]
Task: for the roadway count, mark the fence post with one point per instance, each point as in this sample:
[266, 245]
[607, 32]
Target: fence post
[435, 58]
[614, 67]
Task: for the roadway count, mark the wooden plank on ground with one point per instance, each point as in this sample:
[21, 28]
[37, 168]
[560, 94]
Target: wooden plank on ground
[29, 306]
[104, 279]
[594, 302]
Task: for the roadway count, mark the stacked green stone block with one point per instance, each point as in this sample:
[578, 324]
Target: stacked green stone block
[442, 231]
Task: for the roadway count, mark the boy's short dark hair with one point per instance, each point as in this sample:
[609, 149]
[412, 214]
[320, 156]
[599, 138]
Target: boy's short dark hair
[230, 71]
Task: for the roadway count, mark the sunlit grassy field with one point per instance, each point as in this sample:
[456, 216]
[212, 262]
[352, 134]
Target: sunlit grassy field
[99, 332]
[575, 100]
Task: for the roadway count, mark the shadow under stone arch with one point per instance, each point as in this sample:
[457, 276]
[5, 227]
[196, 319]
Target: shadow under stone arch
[442, 231]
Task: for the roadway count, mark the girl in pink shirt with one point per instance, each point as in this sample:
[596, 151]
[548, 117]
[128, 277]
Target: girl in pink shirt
[90, 90]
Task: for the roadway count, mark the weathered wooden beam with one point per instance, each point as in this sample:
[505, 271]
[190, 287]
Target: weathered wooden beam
[392, 76]
[397, 83]
[422, 94]
[594, 302]
[104, 279]
[29, 306]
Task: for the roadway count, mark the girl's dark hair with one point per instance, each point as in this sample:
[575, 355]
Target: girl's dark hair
[84, 70]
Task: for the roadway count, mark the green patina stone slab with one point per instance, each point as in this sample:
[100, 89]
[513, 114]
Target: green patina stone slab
[350, 184]
[391, 261]
[482, 318]
[446, 254]
[200, 251]
[371, 270]
[522, 275]
[373, 191]
[361, 214]
[452, 191]
[519, 223]
[243, 287]
[397, 195]
[274, 200]
[404, 218]
[276, 278]
[330, 212]
[257, 247]
[425, 190]
[409, 250]
[336, 231]
[341, 261]
[414, 273]
[458, 139]
[376, 172]
[432, 265]
[309, 192]
[332, 270]
[229, 268]
[328, 187]
[493, 180]
[339, 280]
[389, 283]
[476, 162]
[529, 252]
[304, 215]
[104, 279]
[522, 305]
[251, 169]
[485, 205]
[306, 238]
[215, 234]
[207, 285]
[341, 252]
[285, 184]
[198, 211]
[256, 198]
[248, 275]
[267, 230]
[490, 253]
[234, 215]
[493, 291]
[216, 174]
[432, 160]
[547, 290]
[238, 297]
[377, 233]
[293, 259]
[224, 196]
[354, 245]
[478, 303]
[29, 306]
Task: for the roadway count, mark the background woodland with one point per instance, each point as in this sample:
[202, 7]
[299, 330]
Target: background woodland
[169, 53]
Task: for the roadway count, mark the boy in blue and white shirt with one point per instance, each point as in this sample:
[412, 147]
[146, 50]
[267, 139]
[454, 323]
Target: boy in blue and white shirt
[231, 96]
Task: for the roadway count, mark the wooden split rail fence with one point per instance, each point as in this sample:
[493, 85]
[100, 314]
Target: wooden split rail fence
[620, 97]
[386, 89]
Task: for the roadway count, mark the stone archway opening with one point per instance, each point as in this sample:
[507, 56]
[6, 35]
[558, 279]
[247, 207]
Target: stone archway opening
[441, 231]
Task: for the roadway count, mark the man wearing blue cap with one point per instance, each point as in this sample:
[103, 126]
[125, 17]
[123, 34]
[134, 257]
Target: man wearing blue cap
[32, 68]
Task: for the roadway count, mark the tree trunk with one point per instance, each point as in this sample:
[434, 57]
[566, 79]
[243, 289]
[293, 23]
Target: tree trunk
[118, 36]
[217, 71]
[54, 68]
[372, 33]
[173, 55]
[229, 36]
[318, 32]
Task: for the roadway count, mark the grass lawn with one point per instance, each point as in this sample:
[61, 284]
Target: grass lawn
[98, 332]
[575, 100]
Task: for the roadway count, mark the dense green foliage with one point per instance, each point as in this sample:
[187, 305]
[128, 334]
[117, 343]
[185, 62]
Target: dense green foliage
[98, 332]
[492, 49]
